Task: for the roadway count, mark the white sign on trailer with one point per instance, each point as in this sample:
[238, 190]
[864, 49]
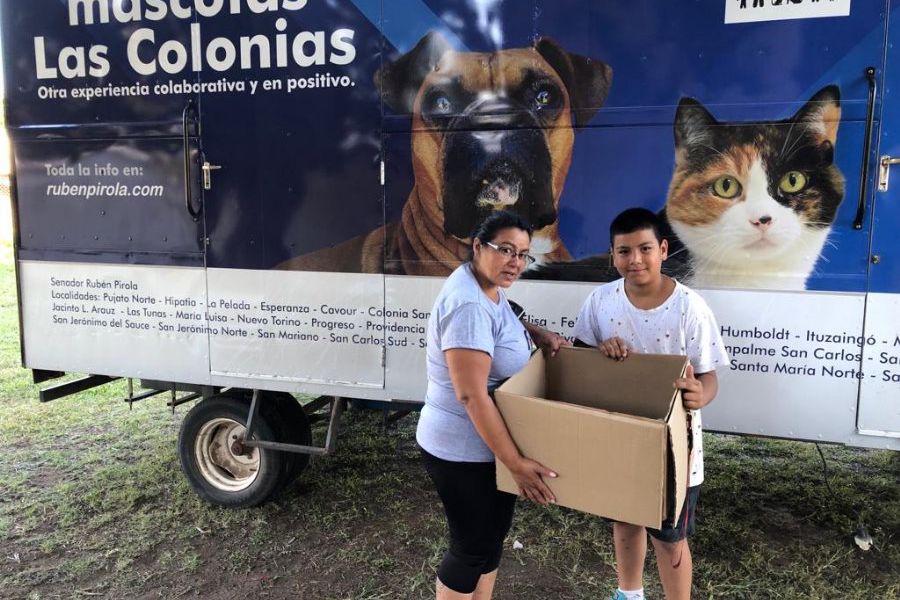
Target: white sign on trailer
[753, 11]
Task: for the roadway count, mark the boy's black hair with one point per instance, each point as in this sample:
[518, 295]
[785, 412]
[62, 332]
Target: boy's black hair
[487, 230]
[635, 219]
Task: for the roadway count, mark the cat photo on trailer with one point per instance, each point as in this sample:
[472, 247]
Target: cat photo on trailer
[749, 205]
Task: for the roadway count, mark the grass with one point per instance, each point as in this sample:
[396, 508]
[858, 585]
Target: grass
[93, 505]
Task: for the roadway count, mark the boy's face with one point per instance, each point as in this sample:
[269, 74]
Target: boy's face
[638, 257]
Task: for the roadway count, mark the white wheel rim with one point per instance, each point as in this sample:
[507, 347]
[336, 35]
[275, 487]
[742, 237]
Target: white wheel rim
[218, 464]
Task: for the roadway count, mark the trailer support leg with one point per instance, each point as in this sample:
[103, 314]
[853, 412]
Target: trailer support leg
[73, 387]
[337, 408]
[132, 397]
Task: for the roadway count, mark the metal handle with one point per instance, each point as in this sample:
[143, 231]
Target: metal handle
[884, 171]
[188, 189]
[867, 146]
[207, 170]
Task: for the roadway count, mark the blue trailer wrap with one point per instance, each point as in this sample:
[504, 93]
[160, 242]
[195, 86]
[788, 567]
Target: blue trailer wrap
[267, 194]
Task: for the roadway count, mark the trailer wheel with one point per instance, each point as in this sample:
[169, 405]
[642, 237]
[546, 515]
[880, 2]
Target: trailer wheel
[290, 423]
[218, 467]
[295, 428]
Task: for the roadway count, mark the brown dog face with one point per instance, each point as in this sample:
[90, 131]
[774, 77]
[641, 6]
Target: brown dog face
[493, 131]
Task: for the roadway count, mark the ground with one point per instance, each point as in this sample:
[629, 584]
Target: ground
[96, 507]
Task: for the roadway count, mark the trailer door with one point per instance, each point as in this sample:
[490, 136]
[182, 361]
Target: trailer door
[291, 158]
[879, 398]
[110, 252]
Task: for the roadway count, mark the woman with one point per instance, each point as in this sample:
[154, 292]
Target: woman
[475, 341]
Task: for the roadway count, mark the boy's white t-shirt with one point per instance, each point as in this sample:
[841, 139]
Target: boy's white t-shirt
[683, 324]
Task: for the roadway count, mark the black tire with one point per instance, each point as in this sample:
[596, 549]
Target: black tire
[207, 454]
[295, 428]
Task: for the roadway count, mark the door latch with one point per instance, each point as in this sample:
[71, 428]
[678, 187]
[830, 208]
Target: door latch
[207, 169]
[884, 172]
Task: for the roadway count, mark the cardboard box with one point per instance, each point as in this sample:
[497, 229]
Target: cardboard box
[615, 432]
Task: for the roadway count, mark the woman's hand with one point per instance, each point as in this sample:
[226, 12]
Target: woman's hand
[551, 342]
[548, 341]
[529, 476]
[614, 348]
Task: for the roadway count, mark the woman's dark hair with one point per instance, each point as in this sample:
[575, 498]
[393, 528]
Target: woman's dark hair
[487, 230]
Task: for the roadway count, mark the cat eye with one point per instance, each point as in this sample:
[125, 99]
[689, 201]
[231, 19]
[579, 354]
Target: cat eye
[792, 182]
[726, 187]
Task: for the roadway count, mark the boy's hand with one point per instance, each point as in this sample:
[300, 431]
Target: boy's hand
[614, 348]
[691, 389]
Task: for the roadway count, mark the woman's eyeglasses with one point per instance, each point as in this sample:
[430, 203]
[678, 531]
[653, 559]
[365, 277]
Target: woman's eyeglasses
[509, 252]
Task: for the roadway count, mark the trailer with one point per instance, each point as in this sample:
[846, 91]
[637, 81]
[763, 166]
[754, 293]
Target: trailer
[236, 201]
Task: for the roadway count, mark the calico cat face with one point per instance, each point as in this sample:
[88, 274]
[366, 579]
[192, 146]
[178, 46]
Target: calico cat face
[756, 192]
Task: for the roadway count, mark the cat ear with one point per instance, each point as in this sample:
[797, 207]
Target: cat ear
[822, 114]
[587, 80]
[693, 124]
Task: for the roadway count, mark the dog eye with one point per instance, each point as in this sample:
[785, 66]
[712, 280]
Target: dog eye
[543, 98]
[441, 105]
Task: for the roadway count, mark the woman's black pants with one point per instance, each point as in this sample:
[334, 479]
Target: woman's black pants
[478, 518]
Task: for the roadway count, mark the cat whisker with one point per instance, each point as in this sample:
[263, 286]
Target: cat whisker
[705, 262]
[795, 144]
[793, 149]
[815, 272]
[715, 236]
[787, 138]
[715, 150]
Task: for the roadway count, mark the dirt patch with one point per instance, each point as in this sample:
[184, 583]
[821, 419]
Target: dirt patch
[366, 524]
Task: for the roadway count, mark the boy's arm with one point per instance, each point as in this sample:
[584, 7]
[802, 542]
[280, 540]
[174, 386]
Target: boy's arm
[697, 391]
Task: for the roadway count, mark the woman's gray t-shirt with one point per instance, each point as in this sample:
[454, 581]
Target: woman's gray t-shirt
[464, 317]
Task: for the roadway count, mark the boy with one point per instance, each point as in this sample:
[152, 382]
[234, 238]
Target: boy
[646, 311]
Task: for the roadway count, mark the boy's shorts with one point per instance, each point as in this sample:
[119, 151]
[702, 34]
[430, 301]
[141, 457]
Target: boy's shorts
[686, 523]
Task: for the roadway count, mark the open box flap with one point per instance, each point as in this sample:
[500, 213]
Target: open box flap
[585, 376]
[678, 462]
